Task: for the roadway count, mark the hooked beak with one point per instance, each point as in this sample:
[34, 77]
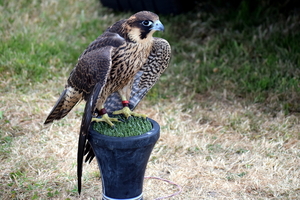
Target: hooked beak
[158, 26]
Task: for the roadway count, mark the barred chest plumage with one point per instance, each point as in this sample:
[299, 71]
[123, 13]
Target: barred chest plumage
[126, 62]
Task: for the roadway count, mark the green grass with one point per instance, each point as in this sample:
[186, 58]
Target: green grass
[253, 54]
[133, 126]
[40, 40]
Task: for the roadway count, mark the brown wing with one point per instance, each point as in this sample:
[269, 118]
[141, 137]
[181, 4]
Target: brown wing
[92, 65]
[93, 69]
[86, 81]
[146, 78]
[90, 69]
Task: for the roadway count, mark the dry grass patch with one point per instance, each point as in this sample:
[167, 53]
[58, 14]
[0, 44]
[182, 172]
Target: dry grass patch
[214, 159]
[216, 151]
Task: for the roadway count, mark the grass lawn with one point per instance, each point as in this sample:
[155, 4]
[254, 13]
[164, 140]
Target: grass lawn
[228, 105]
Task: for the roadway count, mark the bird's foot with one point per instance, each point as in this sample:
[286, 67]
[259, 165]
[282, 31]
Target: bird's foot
[127, 113]
[106, 118]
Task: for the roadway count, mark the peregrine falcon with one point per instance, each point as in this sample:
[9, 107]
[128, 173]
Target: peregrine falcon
[113, 74]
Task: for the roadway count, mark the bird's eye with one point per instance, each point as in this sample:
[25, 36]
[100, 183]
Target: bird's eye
[147, 23]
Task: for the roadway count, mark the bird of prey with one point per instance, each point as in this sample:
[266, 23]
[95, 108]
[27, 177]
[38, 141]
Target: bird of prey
[113, 74]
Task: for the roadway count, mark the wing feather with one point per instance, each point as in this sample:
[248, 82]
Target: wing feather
[83, 145]
[86, 74]
[93, 68]
[99, 66]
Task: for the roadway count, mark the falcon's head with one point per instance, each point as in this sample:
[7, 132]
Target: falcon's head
[142, 25]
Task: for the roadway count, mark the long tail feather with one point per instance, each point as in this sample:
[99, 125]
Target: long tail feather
[83, 146]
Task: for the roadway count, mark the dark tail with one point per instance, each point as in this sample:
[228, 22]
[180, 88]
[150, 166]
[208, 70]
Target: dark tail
[83, 145]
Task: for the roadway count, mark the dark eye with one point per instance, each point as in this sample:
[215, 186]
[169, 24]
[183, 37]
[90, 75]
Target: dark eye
[147, 23]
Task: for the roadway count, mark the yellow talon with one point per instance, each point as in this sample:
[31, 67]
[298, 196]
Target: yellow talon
[106, 118]
[127, 112]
